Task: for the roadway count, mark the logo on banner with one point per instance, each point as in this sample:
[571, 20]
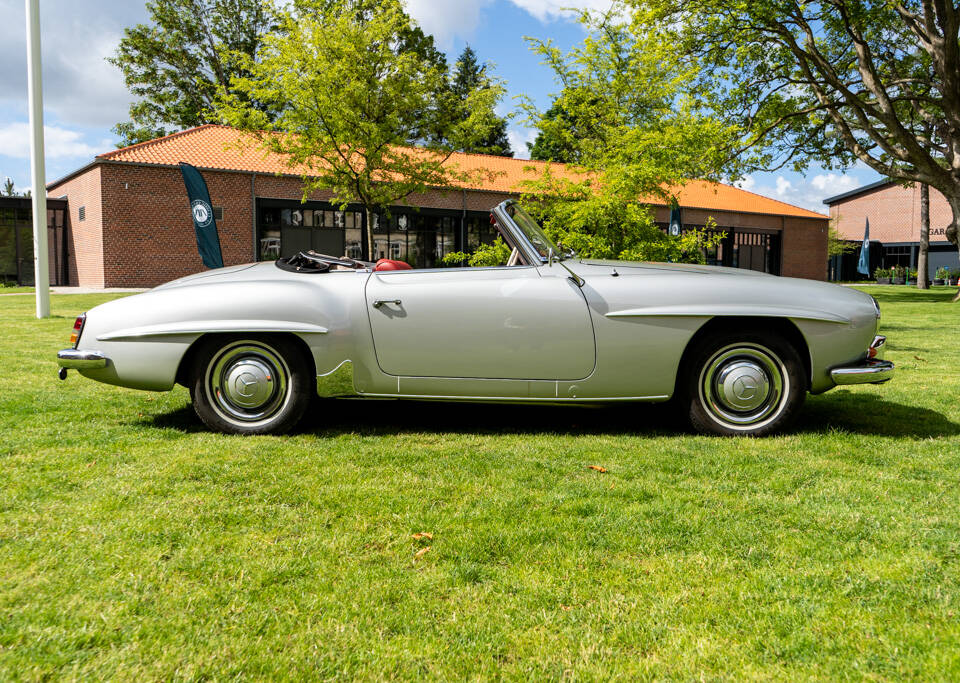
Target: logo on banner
[202, 213]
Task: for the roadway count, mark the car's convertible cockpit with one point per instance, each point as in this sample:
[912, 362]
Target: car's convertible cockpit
[527, 243]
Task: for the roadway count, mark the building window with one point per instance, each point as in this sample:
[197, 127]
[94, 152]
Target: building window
[899, 255]
[83, 213]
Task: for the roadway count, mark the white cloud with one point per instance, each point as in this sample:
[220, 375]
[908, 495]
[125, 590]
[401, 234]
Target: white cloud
[58, 142]
[449, 19]
[519, 137]
[79, 86]
[833, 183]
[783, 186]
[546, 10]
[747, 183]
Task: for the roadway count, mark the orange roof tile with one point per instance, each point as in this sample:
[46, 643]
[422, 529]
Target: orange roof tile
[216, 147]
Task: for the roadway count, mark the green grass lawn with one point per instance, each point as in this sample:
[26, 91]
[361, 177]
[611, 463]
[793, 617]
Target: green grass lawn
[134, 545]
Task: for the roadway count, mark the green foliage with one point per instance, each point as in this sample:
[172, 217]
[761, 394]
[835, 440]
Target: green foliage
[942, 273]
[833, 82]
[352, 100]
[9, 189]
[836, 244]
[495, 254]
[556, 137]
[881, 273]
[175, 64]
[598, 224]
[470, 76]
[633, 136]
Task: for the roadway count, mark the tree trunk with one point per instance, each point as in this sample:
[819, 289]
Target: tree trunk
[953, 230]
[922, 267]
[369, 234]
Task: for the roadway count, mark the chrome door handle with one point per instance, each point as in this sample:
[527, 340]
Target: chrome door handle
[380, 302]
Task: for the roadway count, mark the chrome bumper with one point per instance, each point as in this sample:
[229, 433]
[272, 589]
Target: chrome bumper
[873, 370]
[75, 359]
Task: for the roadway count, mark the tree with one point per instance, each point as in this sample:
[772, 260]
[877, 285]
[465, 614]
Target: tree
[352, 102]
[556, 137]
[470, 76]
[176, 64]
[923, 259]
[631, 137]
[9, 189]
[831, 81]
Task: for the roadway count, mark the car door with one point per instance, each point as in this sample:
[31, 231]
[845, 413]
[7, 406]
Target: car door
[506, 323]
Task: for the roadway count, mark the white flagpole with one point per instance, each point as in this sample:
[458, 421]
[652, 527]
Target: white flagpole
[41, 268]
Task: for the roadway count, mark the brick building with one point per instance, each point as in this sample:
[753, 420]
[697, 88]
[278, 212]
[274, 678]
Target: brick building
[129, 223]
[894, 214]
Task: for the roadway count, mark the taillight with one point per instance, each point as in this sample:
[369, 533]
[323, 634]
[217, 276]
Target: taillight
[77, 329]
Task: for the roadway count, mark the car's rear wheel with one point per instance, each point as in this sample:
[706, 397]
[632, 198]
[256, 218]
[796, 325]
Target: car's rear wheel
[251, 385]
[748, 384]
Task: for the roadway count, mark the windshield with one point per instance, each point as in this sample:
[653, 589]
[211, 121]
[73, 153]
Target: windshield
[532, 231]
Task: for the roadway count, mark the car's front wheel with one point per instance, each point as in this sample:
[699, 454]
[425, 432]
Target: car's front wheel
[749, 384]
[251, 385]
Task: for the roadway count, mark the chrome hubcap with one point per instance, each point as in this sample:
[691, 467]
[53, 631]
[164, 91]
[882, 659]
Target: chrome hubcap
[247, 381]
[744, 385]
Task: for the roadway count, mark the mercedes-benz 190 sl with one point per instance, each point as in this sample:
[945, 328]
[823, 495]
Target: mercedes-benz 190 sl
[736, 351]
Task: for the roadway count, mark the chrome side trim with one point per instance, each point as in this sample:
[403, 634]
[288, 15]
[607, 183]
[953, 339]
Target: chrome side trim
[516, 399]
[81, 360]
[210, 326]
[751, 310]
[873, 371]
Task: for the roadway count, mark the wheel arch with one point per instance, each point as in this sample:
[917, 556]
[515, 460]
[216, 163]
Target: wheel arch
[722, 324]
[186, 362]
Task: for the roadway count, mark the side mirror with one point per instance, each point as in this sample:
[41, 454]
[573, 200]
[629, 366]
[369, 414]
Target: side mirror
[550, 256]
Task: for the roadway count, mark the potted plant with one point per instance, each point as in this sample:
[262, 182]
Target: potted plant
[941, 276]
[954, 277]
[912, 277]
[882, 275]
[898, 274]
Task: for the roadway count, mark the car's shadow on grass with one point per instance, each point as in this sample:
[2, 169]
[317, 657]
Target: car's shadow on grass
[871, 414]
[839, 410]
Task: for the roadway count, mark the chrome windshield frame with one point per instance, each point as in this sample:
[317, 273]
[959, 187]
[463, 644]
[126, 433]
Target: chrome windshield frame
[505, 220]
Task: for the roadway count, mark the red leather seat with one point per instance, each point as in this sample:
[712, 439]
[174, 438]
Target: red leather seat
[390, 264]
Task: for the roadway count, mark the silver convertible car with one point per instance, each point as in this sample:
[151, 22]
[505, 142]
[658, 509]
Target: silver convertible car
[736, 351]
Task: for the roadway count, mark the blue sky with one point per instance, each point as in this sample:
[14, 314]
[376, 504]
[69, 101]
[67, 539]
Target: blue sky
[85, 96]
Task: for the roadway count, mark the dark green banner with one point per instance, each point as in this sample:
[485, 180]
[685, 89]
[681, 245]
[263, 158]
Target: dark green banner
[208, 241]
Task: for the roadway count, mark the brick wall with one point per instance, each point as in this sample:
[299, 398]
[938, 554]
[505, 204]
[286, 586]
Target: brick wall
[84, 238]
[894, 213]
[148, 227]
[804, 248]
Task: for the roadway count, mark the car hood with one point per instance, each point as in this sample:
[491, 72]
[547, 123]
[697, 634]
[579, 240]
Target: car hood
[677, 289]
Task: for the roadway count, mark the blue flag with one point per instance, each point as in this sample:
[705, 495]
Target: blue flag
[863, 265]
[208, 241]
[676, 222]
